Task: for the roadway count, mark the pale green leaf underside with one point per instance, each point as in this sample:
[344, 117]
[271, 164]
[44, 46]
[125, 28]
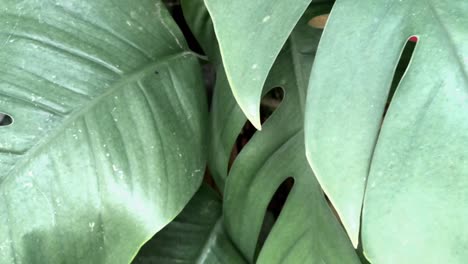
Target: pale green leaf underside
[196, 236]
[412, 169]
[251, 35]
[306, 231]
[106, 147]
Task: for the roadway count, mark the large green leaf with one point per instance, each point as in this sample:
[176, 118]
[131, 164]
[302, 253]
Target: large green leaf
[251, 35]
[306, 231]
[411, 165]
[196, 236]
[107, 145]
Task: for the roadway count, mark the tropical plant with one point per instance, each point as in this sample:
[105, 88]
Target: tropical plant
[360, 156]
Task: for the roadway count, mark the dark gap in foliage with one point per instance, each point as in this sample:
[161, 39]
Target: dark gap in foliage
[268, 105]
[209, 72]
[235, 150]
[279, 198]
[267, 225]
[401, 68]
[273, 211]
[5, 120]
[209, 180]
[247, 132]
[170, 4]
[176, 10]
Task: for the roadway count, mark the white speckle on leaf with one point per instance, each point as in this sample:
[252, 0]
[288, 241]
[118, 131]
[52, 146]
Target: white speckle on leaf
[265, 19]
[129, 23]
[254, 66]
[118, 171]
[91, 226]
[195, 172]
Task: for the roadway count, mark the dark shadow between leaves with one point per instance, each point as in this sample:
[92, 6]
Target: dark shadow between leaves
[401, 68]
[273, 211]
[270, 102]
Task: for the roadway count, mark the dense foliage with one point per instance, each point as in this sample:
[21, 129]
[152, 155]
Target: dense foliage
[208, 131]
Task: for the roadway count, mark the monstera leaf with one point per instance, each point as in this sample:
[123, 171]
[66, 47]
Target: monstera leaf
[251, 35]
[106, 146]
[411, 164]
[306, 230]
[197, 235]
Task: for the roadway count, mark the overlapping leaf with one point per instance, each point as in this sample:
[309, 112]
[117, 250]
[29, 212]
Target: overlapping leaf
[306, 231]
[197, 235]
[411, 165]
[106, 146]
[251, 35]
[226, 118]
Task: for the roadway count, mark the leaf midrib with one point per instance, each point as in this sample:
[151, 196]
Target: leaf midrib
[75, 115]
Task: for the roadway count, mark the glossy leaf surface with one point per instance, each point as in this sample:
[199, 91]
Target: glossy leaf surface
[410, 165]
[106, 146]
